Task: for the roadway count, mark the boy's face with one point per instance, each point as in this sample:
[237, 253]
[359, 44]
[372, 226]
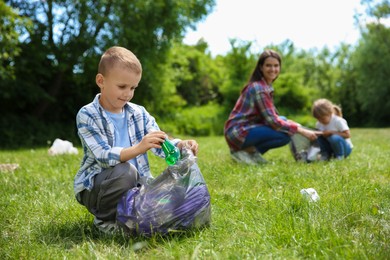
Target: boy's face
[117, 88]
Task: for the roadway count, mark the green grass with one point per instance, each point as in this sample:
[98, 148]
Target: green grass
[257, 211]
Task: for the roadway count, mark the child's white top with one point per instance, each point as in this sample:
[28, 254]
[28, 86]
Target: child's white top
[336, 123]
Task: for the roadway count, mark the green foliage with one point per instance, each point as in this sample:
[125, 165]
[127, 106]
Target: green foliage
[196, 121]
[326, 73]
[370, 62]
[10, 27]
[55, 71]
[158, 24]
[196, 76]
[290, 94]
[257, 211]
[25, 131]
[346, 95]
[364, 85]
[238, 65]
[50, 51]
[306, 120]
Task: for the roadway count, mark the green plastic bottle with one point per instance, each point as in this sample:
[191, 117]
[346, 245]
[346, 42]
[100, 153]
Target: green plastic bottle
[172, 153]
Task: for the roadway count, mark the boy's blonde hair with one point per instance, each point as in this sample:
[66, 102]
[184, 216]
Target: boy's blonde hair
[324, 107]
[119, 56]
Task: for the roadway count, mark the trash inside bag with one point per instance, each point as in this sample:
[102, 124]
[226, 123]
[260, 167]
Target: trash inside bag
[303, 150]
[177, 199]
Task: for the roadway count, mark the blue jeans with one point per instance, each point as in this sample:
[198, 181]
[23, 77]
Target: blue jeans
[265, 138]
[334, 145]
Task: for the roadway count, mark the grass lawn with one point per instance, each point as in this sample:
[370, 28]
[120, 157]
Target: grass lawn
[257, 211]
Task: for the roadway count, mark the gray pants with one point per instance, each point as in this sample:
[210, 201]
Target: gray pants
[109, 187]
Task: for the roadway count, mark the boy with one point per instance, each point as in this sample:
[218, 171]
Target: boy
[115, 135]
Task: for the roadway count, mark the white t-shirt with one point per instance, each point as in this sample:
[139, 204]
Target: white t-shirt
[336, 123]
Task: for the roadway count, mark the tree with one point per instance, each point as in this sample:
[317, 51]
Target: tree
[371, 68]
[197, 77]
[238, 65]
[344, 93]
[66, 31]
[59, 55]
[10, 23]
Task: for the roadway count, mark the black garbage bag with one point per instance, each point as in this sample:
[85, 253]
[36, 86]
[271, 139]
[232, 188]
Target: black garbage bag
[177, 199]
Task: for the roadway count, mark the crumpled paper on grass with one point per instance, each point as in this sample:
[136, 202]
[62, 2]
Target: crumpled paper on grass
[60, 146]
[310, 194]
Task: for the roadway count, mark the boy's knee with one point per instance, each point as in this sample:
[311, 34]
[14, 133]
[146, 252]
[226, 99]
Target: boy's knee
[109, 188]
[127, 174]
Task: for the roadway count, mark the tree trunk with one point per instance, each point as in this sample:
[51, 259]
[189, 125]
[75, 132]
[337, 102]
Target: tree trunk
[53, 91]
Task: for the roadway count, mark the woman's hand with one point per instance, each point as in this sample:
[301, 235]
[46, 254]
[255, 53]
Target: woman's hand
[311, 135]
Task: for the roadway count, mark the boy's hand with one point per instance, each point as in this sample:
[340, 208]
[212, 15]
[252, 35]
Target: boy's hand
[152, 140]
[190, 144]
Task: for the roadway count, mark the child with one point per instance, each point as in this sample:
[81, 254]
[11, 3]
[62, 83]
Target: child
[336, 138]
[115, 135]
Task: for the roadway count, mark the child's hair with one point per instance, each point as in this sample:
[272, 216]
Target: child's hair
[119, 56]
[323, 107]
[337, 110]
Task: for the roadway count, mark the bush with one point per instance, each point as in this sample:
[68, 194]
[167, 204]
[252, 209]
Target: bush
[26, 131]
[196, 121]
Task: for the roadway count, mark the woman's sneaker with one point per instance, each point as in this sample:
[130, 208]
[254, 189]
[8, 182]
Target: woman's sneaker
[258, 158]
[242, 157]
[248, 158]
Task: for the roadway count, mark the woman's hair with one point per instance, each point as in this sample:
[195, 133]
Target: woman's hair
[257, 73]
[324, 107]
[119, 56]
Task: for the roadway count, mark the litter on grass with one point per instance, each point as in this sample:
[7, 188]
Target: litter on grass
[62, 147]
[8, 167]
[310, 194]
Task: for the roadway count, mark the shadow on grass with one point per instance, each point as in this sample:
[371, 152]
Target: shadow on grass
[70, 234]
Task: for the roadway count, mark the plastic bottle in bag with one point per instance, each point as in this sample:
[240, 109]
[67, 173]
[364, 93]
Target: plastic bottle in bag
[172, 153]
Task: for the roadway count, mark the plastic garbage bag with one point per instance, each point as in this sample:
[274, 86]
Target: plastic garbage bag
[303, 150]
[177, 199]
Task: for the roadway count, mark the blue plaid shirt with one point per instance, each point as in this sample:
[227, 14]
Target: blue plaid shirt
[96, 132]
